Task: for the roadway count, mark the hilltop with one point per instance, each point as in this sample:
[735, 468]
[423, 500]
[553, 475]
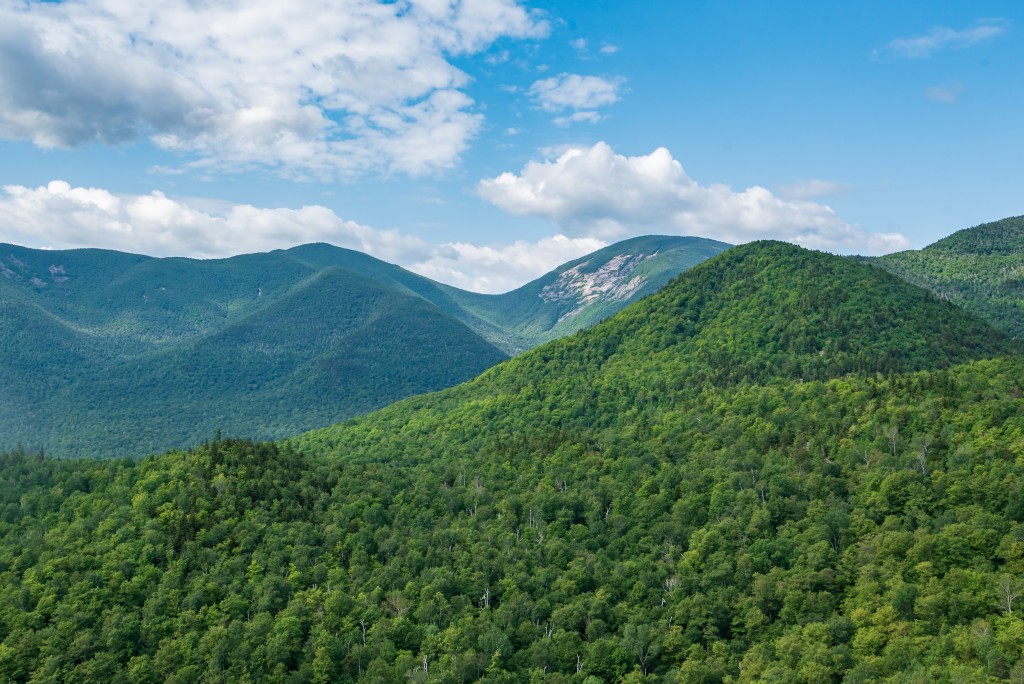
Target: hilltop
[688, 491]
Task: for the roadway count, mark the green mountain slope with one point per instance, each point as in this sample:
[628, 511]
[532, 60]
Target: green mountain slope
[580, 293]
[108, 353]
[338, 346]
[980, 268]
[626, 504]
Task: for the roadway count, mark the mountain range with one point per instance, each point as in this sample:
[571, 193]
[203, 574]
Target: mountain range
[981, 269]
[109, 354]
[783, 466]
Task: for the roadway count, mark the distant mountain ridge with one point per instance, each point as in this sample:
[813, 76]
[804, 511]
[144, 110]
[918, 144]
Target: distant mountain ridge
[582, 292]
[111, 354]
[979, 268]
[107, 353]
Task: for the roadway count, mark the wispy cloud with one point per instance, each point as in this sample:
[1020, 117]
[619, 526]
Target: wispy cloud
[943, 38]
[594, 192]
[577, 117]
[814, 188]
[323, 89]
[576, 97]
[583, 48]
[947, 94]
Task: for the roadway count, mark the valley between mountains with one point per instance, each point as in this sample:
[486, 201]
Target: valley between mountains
[112, 354]
[748, 464]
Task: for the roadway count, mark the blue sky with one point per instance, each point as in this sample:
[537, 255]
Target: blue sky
[486, 142]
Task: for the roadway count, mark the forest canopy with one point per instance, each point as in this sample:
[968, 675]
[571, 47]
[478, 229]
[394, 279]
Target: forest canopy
[785, 466]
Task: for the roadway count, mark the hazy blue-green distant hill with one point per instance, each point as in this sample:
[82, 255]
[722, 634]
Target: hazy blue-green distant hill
[109, 354]
[785, 466]
[980, 268]
[338, 346]
[582, 292]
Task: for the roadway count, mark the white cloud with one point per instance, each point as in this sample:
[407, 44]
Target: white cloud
[579, 95]
[594, 192]
[609, 49]
[494, 269]
[580, 44]
[328, 87]
[577, 117]
[941, 38]
[61, 216]
[64, 216]
[498, 58]
[947, 94]
[815, 188]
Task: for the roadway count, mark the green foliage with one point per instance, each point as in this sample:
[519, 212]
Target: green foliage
[609, 507]
[761, 311]
[108, 354]
[115, 354]
[545, 309]
[764, 532]
[981, 269]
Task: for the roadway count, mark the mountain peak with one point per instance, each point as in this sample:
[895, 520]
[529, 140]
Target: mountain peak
[325, 330]
[770, 308]
[998, 237]
[580, 293]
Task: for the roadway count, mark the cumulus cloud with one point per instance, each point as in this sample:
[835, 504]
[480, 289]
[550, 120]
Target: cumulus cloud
[64, 216]
[815, 188]
[942, 38]
[61, 216]
[596, 193]
[325, 87]
[578, 95]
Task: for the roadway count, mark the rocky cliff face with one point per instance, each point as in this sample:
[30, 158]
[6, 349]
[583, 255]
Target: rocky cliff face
[615, 280]
[17, 270]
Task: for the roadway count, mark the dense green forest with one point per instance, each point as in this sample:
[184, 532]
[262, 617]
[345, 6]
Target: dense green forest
[785, 466]
[583, 292]
[263, 345]
[109, 354]
[980, 268]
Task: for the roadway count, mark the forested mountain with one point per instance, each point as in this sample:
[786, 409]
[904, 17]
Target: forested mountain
[108, 354]
[785, 466]
[580, 293]
[980, 268]
[112, 354]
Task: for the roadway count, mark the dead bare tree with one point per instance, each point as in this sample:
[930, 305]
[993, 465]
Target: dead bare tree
[1009, 591]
